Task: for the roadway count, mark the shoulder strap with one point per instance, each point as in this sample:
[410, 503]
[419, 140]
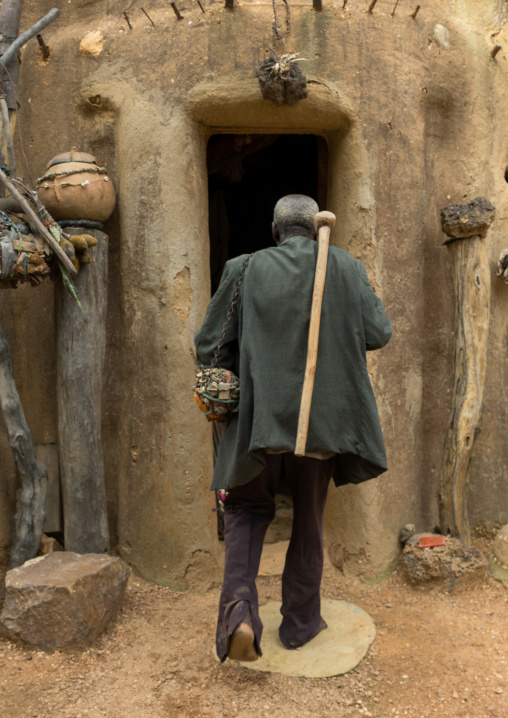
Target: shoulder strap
[230, 311]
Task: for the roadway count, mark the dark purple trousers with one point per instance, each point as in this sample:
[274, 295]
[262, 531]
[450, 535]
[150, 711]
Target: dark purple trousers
[248, 511]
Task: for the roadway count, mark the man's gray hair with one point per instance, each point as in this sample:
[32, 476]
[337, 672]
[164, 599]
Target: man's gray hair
[295, 210]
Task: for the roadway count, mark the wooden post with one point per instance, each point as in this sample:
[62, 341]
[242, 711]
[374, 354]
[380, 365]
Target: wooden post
[10, 44]
[4, 112]
[81, 341]
[466, 225]
[34, 477]
[10, 15]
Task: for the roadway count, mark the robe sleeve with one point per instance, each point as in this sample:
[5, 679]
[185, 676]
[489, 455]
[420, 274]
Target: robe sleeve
[377, 326]
[208, 336]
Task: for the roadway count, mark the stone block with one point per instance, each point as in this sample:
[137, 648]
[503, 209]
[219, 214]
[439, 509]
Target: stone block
[467, 220]
[442, 567]
[333, 652]
[49, 544]
[64, 599]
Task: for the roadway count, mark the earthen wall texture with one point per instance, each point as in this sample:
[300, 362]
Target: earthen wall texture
[413, 110]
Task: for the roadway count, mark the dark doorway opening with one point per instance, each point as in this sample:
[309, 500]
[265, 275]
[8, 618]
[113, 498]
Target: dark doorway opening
[247, 174]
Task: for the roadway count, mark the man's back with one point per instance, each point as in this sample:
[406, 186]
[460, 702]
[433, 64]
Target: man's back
[271, 329]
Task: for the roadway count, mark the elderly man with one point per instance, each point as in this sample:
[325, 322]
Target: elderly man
[266, 345]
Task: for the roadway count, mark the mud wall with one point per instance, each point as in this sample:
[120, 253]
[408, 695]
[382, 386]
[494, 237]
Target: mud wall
[413, 112]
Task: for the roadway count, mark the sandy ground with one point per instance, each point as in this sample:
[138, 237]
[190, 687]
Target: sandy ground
[434, 655]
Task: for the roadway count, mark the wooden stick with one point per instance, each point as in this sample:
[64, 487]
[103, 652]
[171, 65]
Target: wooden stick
[24, 245]
[28, 34]
[45, 51]
[148, 16]
[324, 222]
[176, 11]
[36, 224]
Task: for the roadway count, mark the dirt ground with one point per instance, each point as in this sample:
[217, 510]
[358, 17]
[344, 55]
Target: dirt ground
[434, 655]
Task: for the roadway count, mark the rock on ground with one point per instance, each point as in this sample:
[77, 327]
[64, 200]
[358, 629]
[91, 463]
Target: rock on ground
[442, 567]
[498, 559]
[63, 600]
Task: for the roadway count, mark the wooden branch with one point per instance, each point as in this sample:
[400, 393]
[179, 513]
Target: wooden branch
[472, 310]
[28, 34]
[81, 342]
[36, 225]
[25, 245]
[34, 477]
[8, 136]
[9, 204]
[10, 14]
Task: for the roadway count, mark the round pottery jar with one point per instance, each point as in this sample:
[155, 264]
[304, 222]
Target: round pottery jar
[76, 187]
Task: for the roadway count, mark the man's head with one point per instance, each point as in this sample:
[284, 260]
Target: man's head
[294, 217]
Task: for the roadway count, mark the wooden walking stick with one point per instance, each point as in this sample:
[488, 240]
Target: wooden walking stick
[323, 221]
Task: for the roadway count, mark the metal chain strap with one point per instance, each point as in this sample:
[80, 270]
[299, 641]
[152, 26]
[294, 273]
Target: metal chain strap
[276, 27]
[230, 312]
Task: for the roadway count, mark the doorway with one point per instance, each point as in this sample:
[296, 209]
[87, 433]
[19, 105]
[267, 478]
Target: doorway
[247, 174]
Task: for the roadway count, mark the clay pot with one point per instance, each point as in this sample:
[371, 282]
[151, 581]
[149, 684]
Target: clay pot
[76, 187]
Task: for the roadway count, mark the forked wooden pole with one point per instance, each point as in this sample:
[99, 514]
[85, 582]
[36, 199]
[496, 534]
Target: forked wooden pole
[29, 519]
[323, 222]
[466, 225]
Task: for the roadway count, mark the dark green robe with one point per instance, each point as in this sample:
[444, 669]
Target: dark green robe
[266, 346]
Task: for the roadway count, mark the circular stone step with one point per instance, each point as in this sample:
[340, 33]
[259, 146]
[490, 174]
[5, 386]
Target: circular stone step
[336, 650]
